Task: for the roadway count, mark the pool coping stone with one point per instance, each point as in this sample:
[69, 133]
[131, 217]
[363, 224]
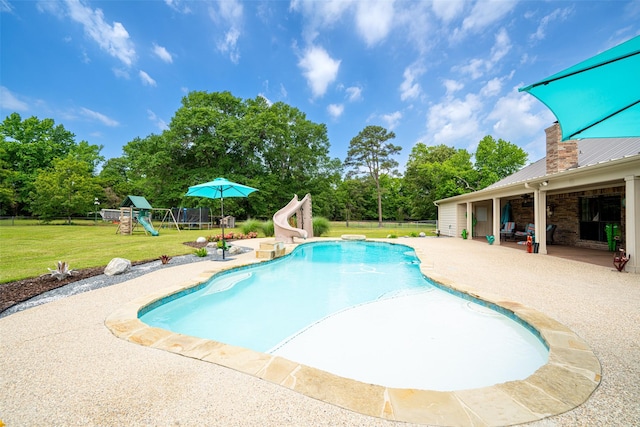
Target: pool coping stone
[570, 376]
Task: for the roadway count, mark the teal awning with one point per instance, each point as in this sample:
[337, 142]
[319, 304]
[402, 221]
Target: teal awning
[597, 98]
[138, 202]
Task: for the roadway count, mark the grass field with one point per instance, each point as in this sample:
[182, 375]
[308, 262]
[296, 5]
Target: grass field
[28, 248]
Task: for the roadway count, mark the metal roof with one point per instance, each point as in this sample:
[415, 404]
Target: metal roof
[590, 152]
[137, 202]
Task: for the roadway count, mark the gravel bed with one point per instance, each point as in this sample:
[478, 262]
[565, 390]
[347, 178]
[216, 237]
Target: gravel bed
[103, 280]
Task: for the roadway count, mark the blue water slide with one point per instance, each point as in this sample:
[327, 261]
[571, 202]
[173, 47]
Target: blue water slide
[146, 224]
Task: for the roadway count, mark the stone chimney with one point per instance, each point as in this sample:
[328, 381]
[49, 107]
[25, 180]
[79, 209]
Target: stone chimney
[560, 155]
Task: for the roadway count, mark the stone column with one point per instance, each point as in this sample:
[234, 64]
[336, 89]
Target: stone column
[496, 220]
[632, 222]
[540, 219]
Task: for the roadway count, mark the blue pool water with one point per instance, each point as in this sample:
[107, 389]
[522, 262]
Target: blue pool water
[347, 293]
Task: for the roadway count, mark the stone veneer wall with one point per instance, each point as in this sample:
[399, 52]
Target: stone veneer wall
[566, 215]
[560, 155]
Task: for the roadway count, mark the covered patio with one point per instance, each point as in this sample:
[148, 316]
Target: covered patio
[590, 256]
[588, 189]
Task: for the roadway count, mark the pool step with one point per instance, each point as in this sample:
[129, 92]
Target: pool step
[270, 250]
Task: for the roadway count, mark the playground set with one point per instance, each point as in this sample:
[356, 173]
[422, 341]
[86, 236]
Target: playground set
[136, 210]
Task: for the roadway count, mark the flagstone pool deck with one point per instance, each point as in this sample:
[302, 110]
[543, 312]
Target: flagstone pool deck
[61, 364]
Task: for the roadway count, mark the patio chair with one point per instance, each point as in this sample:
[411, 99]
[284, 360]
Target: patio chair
[551, 229]
[529, 231]
[507, 231]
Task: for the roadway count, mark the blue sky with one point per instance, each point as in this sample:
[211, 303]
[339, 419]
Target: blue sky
[438, 72]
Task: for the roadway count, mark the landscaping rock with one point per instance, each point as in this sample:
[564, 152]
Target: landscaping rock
[117, 266]
[422, 234]
[201, 239]
[234, 250]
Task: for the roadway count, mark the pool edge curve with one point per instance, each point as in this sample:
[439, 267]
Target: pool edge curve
[570, 376]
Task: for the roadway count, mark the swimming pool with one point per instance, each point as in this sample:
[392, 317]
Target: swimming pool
[361, 310]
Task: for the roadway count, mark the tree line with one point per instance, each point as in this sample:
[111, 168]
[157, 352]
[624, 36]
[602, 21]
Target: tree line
[45, 173]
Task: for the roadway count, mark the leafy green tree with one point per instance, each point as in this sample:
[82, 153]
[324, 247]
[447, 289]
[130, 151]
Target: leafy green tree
[67, 188]
[370, 153]
[357, 199]
[28, 146]
[274, 148]
[115, 180]
[8, 179]
[495, 160]
[434, 173]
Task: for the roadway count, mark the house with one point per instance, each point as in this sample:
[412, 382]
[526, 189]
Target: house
[584, 187]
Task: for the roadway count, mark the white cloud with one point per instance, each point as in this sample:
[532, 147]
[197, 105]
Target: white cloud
[162, 53]
[452, 86]
[477, 67]
[99, 117]
[160, 124]
[146, 79]
[5, 7]
[267, 100]
[374, 19]
[455, 121]
[319, 14]
[513, 116]
[178, 6]
[409, 89]
[556, 15]
[447, 10]
[335, 110]
[415, 19]
[483, 14]
[501, 47]
[114, 39]
[354, 93]
[121, 73]
[319, 69]
[492, 88]
[9, 101]
[230, 15]
[283, 91]
[392, 119]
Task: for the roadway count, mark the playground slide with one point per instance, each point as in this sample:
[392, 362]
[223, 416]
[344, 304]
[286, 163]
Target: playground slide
[147, 225]
[285, 232]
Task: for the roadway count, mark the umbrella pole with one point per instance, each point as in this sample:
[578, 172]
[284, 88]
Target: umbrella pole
[222, 223]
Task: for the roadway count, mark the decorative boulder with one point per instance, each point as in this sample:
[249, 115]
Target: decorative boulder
[422, 234]
[117, 266]
[201, 239]
[234, 250]
[212, 244]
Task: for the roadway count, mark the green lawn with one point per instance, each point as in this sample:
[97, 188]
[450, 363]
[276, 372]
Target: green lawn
[28, 248]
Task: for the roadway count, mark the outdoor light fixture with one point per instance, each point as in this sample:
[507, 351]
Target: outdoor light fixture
[550, 209]
[95, 211]
[544, 183]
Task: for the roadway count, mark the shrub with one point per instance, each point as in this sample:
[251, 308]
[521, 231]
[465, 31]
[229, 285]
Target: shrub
[249, 226]
[201, 252]
[267, 228]
[320, 226]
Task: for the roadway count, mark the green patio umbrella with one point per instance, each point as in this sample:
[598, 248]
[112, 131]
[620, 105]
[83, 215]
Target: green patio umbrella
[597, 98]
[220, 188]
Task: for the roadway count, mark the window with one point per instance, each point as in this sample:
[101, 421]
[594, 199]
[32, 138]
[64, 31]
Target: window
[596, 213]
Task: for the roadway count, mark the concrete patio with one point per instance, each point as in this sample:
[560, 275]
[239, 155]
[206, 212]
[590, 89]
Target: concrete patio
[62, 366]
